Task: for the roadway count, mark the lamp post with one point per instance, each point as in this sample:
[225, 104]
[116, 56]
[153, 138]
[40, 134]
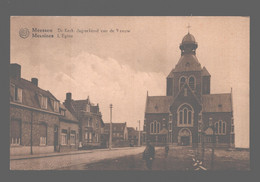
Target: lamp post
[139, 139]
[211, 124]
[110, 136]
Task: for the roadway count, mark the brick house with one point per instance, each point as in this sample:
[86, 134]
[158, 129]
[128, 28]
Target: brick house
[90, 121]
[183, 116]
[119, 134]
[69, 130]
[34, 116]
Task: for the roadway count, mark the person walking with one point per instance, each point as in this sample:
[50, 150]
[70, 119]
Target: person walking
[149, 155]
[166, 150]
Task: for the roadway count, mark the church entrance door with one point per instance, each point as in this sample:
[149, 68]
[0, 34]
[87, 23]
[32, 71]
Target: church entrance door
[184, 137]
[185, 140]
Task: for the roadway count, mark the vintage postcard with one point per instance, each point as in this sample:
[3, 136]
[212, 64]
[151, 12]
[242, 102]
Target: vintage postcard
[129, 93]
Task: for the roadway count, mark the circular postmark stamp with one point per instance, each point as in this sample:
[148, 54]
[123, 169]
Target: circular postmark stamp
[24, 33]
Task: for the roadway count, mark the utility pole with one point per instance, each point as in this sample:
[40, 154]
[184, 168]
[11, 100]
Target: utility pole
[139, 139]
[31, 132]
[110, 136]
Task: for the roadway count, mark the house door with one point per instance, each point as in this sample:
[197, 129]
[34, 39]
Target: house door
[56, 143]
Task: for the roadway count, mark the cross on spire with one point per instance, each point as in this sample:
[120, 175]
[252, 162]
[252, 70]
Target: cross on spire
[188, 28]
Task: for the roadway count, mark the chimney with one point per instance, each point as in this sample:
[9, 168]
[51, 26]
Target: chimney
[35, 81]
[15, 71]
[68, 97]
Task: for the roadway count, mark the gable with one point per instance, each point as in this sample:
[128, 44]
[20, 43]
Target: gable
[186, 95]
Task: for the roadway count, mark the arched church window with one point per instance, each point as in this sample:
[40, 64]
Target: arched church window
[185, 115]
[192, 82]
[220, 127]
[182, 81]
[155, 127]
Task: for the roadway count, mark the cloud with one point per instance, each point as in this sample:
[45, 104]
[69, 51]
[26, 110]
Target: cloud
[105, 81]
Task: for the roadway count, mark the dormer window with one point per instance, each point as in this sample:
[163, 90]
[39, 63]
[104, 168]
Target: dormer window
[56, 106]
[43, 101]
[18, 94]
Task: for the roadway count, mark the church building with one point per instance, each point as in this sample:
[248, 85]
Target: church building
[189, 114]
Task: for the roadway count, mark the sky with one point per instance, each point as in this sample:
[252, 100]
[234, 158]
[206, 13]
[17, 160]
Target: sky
[119, 67]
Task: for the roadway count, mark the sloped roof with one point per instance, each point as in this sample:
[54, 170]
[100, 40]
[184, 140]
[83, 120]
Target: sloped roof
[204, 72]
[118, 126]
[31, 93]
[171, 73]
[68, 115]
[217, 103]
[187, 62]
[132, 131]
[158, 104]
[80, 105]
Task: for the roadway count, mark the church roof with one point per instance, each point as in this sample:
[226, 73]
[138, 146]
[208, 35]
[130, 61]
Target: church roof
[188, 62]
[171, 73]
[217, 103]
[204, 72]
[158, 104]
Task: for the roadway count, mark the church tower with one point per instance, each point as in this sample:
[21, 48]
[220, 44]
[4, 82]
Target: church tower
[188, 70]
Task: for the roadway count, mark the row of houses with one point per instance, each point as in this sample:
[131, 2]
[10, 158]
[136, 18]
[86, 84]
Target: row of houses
[40, 123]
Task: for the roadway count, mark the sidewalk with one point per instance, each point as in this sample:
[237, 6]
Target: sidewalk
[54, 154]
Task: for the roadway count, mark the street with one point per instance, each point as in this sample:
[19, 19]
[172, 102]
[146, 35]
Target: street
[179, 159]
[55, 162]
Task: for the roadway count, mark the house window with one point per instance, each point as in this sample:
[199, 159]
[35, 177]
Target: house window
[185, 115]
[144, 127]
[192, 82]
[18, 94]
[90, 137]
[155, 127]
[220, 127]
[43, 102]
[64, 137]
[43, 134]
[15, 133]
[73, 137]
[86, 135]
[182, 81]
[56, 106]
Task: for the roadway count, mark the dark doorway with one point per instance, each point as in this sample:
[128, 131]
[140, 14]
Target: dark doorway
[185, 140]
[56, 143]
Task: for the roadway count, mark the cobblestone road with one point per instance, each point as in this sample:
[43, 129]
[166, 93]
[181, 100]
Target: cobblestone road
[57, 162]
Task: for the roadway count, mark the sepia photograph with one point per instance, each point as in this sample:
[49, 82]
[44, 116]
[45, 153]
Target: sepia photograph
[129, 93]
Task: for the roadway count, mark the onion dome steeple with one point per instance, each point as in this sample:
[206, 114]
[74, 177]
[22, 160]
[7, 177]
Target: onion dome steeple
[188, 45]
